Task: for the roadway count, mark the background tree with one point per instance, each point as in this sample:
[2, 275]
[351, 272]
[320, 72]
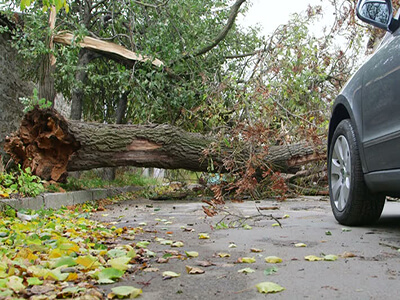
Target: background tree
[217, 76]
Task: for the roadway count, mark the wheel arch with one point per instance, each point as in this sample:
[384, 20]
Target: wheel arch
[339, 114]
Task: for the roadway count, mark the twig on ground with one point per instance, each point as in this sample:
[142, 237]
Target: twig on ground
[240, 220]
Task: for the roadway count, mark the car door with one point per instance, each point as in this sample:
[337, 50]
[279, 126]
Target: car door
[381, 107]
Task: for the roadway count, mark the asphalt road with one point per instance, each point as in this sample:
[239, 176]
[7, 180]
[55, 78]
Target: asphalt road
[372, 273]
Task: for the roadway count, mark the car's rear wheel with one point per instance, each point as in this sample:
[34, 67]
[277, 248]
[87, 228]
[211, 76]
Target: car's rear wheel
[351, 200]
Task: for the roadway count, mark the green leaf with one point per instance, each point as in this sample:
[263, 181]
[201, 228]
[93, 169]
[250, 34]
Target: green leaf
[270, 271]
[15, 283]
[108, 275]
[120, 263]
[166, 242]
[246, 270]
[330, 257]
[247, 227]
[3, 282]
[59, 4]
[269, 287]
[58, 275]
[6, 293]
[34, 281]
[126, 291]
[25, 4]
[64, 261]
[113, 253]
[142, 244]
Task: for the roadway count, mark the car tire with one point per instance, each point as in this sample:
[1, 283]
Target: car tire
[351, 201]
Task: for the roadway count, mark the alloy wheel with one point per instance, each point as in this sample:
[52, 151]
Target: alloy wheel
[340, 172]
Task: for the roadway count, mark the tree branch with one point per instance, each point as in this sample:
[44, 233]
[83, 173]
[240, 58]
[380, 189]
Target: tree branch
[98, 4]
[232, 16]
[243, 55]
[150, 5]
[108, 49]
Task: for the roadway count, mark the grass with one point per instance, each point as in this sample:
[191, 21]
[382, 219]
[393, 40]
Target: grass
[91, 180]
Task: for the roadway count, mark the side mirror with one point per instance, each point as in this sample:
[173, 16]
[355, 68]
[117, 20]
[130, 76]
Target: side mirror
[378, 13]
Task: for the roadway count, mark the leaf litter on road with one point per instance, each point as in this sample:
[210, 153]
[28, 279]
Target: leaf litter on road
[48, 255]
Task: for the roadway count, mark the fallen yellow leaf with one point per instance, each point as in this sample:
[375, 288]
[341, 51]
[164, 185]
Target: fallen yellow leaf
[88, 261]
[170, 274]
[177, 244]
[313, 258]
[72, 277]
[300, 245]
[191, 253]
[273, 259]
[204, 236]
[269, 287]
[247, 260]
[223, 254]
[256, 250]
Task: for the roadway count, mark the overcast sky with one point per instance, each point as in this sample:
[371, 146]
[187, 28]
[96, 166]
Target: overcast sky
[272, 13]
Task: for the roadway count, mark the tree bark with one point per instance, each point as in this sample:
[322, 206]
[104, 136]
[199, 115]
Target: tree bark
[51, 146]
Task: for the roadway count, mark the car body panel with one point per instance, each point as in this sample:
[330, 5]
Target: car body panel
[371, 100]
[381, 108]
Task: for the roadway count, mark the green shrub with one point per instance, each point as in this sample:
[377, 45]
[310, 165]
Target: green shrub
[21, 182]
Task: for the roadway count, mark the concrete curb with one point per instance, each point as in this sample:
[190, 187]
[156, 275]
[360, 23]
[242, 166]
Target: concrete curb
[57, 200]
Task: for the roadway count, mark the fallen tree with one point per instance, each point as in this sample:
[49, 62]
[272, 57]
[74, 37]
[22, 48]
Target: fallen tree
[51, 146]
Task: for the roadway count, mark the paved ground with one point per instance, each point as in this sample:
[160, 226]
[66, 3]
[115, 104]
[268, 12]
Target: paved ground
[374, 272]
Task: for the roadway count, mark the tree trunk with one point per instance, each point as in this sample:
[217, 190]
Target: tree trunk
[85, 57]
[48, 66]
[51, 146]
[109, 173]
[121, 108]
